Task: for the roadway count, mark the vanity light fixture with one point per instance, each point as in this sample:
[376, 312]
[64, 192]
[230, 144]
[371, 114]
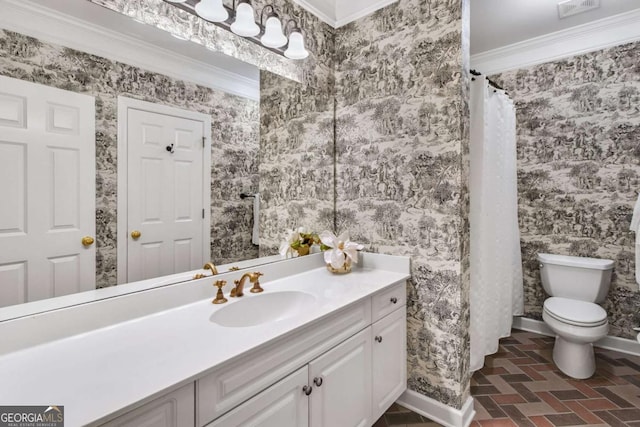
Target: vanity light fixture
[240, 19]
[212, 10]
[273, 36]
[296, 49]
[245, 22]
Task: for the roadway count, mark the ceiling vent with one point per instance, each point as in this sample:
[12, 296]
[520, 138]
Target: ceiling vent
[573, 7]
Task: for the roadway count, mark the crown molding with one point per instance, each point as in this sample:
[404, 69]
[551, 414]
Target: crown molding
[603, 33]
[58, 28]
[363, 12]
[336, 22]
[317, 12]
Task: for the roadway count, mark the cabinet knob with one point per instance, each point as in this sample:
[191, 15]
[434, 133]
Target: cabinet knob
[307, 390]
[135, 234]
[317, 381]
[394, 300]
[379, 338]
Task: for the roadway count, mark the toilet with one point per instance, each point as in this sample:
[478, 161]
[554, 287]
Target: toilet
[575, 285]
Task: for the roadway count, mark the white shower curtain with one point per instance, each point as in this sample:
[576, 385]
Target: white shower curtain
[496, 265]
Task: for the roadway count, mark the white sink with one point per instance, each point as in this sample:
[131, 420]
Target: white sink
[252, 310]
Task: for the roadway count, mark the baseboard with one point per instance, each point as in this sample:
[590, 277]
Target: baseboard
[623, 345]
[438, 411]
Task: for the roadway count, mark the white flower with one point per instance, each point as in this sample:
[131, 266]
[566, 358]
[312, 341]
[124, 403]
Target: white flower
[341, 248]
[292, 237]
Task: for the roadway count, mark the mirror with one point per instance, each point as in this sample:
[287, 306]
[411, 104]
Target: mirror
[235, 123]
[574, 82]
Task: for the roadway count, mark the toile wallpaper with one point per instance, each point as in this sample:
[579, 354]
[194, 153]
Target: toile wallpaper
[234, 137]
[401, 154]
[297, 138]
[578, 136]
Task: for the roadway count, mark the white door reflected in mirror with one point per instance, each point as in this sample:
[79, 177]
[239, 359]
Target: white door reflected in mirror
[47, 167]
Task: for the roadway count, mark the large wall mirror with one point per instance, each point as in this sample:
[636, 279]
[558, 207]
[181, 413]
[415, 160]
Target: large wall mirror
[112, 174]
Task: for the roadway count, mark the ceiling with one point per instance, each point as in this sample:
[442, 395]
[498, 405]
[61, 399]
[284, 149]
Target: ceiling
[498, 23]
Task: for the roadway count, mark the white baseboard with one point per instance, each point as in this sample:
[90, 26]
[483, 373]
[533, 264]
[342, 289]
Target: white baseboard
[437, 411]
[622, 345]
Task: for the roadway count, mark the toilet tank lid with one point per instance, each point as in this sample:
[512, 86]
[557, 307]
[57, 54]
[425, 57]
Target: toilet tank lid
[575, 261]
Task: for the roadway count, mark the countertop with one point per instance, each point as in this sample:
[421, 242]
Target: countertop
[104, 371]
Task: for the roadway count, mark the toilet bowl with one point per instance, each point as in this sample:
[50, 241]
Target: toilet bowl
[574, 285]
[577, 324]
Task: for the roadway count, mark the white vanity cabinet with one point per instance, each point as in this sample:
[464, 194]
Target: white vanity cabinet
[349, 385]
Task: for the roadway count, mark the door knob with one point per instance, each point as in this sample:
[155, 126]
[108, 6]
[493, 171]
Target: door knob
[135, 234]
[87, 240]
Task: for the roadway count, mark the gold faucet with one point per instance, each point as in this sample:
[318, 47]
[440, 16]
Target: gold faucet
[253, 278]
[207, 266]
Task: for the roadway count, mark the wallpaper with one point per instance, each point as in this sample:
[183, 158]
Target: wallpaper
[401, 168]
[578, 133]
[234, 137]
[297, 138]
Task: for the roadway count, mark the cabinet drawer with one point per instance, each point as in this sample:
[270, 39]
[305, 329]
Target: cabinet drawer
[389, 300]
[174, 409]
[234, 382]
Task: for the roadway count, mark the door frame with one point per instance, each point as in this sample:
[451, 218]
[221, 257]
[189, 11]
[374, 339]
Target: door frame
[124, 105]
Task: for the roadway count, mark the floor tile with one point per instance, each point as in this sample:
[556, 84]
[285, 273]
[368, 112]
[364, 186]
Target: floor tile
[520, 386]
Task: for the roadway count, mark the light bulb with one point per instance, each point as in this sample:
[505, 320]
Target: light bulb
[245, 24]
[296, 48]
[212, 10]
[273, 36]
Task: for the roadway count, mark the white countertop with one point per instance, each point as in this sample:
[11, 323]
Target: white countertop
[100, 372]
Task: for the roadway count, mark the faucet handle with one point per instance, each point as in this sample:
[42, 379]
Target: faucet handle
[256, 283]
[220, 299]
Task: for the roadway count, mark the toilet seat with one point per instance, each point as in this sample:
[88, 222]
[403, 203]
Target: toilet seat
[575, 312]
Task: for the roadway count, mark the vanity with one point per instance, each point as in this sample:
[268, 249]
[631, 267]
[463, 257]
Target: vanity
[313, 349]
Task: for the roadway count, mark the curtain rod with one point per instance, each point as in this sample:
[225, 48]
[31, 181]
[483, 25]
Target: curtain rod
[491, 82]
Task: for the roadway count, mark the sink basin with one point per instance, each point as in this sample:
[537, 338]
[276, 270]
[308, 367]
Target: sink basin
[253, 310]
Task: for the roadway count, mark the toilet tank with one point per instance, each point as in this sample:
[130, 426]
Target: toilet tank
[585, 279]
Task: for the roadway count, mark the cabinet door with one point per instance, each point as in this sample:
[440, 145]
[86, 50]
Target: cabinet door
[389, 360]
[284, 404]
[175, 409]
[341, 381]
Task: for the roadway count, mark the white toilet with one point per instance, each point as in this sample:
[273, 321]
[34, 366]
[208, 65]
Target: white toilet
[575, 284]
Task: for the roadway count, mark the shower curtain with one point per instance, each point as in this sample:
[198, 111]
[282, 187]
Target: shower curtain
[496, 264]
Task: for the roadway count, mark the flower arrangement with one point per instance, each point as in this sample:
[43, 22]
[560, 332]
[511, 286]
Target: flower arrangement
[340, 252]
[298, 243]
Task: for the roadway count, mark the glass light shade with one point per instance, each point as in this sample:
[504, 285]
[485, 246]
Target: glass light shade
[296, 48]
[273, 36]
[212, 10]
[245, 24]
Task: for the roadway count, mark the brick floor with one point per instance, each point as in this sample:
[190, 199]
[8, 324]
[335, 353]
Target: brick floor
[520, 386]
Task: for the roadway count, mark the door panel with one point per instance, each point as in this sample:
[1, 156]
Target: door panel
[165, 194]
[284, 404]
[389, 360]
[343, 397]
[47, 188]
